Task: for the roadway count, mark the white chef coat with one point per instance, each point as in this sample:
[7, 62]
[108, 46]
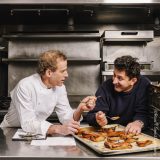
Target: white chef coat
[32, 103]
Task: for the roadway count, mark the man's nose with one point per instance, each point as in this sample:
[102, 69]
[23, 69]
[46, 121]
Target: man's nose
[66, 74]
[115, 80]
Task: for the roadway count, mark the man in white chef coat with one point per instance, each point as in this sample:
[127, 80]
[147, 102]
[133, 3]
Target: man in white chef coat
[35, 98]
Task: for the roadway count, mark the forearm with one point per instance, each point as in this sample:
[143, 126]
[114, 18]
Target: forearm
[77, 114]
[35, 126]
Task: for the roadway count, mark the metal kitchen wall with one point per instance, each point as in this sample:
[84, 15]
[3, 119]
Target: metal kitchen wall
[82, 50]
[76, 28]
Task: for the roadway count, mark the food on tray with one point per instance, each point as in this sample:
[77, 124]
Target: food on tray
[95, 137]
[116, 134]
[117, 145]
[108, 130]
[113, 138]
[81, 130]
[131, 140]
[144, 143]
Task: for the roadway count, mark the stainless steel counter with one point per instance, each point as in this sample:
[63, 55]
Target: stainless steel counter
[23, 150]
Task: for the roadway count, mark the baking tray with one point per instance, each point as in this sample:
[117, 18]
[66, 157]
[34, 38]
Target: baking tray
[101, 149]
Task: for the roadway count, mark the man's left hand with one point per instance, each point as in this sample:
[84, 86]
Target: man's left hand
[134, 127]
[88, 103]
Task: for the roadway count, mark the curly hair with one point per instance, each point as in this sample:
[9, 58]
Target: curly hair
[129, 65]
[48, 60]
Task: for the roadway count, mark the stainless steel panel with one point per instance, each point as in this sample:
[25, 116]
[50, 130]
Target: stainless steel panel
[113, 50]
[84, 75]
[145, 52]
[72, 48]
[128, 35]
[83, 79]
[23, 150]
[52, 36]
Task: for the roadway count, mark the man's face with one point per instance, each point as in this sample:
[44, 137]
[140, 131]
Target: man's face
[121, 81]
[58, 77]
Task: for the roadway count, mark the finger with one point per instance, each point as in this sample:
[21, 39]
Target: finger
[90, 107]
[127, 128]
[93, 98]
[72, 130]
[102, 123]
[102, 120]
[102, 116]
[138, 131]
[67, 131]
[86, 99]
[90, 104]
[76, 126]
[98, 113]
[99, 117]
[75, 122]
[133, 130]
[90, 99]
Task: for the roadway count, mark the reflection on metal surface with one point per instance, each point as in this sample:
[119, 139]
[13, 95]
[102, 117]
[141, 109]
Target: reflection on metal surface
[3, 144]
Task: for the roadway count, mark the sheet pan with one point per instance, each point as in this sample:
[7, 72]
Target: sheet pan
[101, 149]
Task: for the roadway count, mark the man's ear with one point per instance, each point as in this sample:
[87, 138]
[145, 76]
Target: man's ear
[133, 81]
[48, 73]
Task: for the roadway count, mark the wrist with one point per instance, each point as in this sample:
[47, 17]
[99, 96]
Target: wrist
[80, 108]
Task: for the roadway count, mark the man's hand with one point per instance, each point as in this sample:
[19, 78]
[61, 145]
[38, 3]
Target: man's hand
[134, 127]
[69, 128]
[101, 118]
[88, 103]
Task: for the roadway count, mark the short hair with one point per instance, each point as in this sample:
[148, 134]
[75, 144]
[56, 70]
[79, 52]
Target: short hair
[129, 65]
[48, 60]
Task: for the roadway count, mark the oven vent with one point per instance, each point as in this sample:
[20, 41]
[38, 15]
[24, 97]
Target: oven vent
[128, 35]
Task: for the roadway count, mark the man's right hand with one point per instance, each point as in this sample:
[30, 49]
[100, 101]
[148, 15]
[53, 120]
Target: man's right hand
[69, 128]
[101, 118]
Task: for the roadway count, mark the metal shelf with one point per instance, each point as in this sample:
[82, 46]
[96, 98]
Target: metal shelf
[72, 59]
[110, 72]
[52, 36]
[81, 2]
